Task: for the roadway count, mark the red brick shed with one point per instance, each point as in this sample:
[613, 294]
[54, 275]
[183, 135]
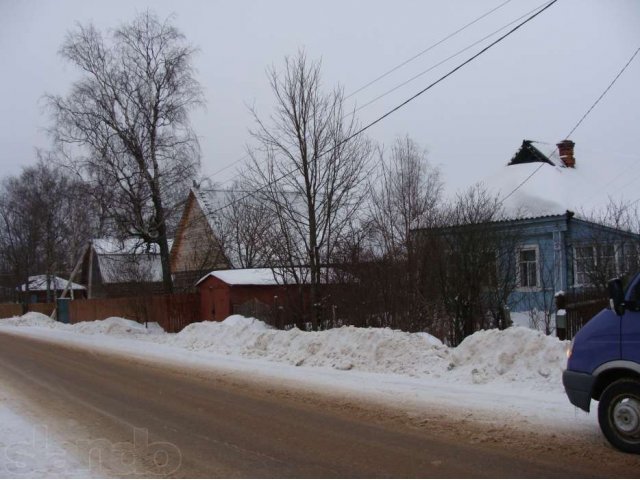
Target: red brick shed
[222, 292]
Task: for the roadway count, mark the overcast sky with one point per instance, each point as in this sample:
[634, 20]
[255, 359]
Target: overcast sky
[536, 84]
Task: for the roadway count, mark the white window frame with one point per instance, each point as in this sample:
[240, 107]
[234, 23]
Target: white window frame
[617, 249]
[626, 266]
[520, 287]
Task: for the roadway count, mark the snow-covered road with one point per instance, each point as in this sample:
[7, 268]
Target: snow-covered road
[509, 381]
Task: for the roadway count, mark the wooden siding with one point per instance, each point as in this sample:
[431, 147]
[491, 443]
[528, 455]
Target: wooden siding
[196, 248]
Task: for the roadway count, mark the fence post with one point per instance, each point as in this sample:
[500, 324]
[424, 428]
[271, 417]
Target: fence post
[561, 320]
[62, 310]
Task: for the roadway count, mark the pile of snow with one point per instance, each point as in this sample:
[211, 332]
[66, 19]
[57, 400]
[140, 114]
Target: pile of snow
[514, 355]
[232, 336]
[30, 319]
[368, 349]
[116, 326]
[517, 354]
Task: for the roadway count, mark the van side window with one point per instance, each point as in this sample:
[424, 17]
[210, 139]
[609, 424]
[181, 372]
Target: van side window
[634, 297]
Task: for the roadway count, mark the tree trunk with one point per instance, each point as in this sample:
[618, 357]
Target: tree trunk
[165, 259]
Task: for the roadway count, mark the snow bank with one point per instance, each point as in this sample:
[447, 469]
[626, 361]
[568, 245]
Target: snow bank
[115, 326]
[517, 355]
[30, 319]
[369, 349]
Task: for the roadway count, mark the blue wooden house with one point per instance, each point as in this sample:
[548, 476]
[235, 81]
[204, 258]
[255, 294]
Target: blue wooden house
[564, 253]
[547, 248]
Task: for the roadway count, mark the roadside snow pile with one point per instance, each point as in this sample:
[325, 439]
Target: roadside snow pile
[517, 354]
[116, 326]
[368, 349]
[230, 337]
[30, 319]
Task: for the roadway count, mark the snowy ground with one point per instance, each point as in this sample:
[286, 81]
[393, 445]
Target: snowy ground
[29, 448]
[509, 378]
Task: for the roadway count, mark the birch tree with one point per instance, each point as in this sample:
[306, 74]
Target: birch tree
[128, 117]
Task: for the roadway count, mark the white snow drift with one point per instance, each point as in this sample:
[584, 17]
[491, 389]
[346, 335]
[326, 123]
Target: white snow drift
[517, 355]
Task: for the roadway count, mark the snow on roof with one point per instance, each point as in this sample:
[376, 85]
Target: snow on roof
[39, 283]
[128, 260]
[544, 193]
[128, 246]
[128, 268]
[246, 276]
[266, 276]
[546, 189]
[210, 201]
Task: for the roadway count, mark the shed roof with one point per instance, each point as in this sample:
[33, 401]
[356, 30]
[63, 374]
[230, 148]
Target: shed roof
[38, 283]
[127, 268]
[261, 276]
[127, 246]
[128, 260]
[244, 276]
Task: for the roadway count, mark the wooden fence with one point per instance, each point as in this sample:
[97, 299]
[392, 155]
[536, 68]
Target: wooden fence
[8, 310]
[579, 313]
[172, 312]
[580, 308]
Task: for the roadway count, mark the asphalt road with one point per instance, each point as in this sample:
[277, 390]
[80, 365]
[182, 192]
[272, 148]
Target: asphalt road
[142, 419]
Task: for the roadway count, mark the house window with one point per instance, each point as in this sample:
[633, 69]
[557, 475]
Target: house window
[528, 267]
[592, 260]
[606, 259]
[585, 264]
[629, 258]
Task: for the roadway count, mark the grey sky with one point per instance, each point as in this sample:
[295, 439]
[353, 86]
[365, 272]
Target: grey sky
[535, 85]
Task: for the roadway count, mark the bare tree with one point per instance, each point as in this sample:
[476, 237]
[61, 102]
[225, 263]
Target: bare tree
[310, 168]
[46, 222]
[465, 266]
[247, 228]
[610, 249]
[20, 234]
[377, 285]
[128, 116]
[407, 196]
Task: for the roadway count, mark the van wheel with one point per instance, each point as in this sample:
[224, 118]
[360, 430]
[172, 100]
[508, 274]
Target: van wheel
[619, 414]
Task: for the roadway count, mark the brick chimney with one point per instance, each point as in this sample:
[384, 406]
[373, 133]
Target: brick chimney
[565, 148]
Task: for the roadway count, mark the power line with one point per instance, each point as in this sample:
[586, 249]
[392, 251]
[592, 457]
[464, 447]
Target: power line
[451, 35]
[375, 99]
[604, 93]
[401, 105]
[606, 90]
[417, 55]
[232, 164]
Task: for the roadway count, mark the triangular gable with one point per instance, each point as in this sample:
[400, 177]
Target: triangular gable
[529, 154]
